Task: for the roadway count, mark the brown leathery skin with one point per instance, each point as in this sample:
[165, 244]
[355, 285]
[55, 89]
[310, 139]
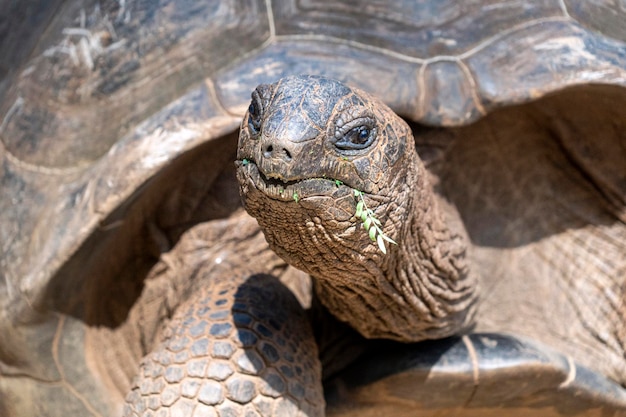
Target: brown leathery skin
[288, 168]
[230, 350]
[239, 343]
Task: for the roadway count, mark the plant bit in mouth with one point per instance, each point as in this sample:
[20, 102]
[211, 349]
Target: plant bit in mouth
[371, 223]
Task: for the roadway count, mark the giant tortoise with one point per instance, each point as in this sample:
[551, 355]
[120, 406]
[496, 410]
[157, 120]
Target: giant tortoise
[133, 281]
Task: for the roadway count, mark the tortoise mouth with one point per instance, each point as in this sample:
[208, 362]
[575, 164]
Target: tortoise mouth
[279, 188]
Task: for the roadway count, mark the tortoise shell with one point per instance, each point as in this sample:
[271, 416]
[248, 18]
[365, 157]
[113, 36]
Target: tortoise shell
[115, 113]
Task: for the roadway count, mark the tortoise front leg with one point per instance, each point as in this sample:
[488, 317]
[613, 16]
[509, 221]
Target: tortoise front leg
[240, 347]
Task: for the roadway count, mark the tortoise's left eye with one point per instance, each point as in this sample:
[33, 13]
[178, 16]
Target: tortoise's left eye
[356, 135]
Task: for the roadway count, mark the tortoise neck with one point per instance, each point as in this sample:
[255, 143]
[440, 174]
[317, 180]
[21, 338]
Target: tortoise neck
[431, 268]
[423, 288]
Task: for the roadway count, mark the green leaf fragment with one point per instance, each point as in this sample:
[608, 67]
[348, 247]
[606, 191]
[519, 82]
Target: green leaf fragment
[295, 197]
[381, 243]
[388, 239]
[370, 223]
[359, 209]
[372, 233]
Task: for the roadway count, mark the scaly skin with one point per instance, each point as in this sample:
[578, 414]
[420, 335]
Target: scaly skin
[239, 344]
[299, 137]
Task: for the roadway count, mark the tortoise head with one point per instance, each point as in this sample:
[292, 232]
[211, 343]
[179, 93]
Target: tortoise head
[313, 156]
[305, 145]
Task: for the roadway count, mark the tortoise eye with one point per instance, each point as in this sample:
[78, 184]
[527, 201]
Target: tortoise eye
[360, 135]
[255, 114]
[356, 136]
[254, 118]
[252, 109]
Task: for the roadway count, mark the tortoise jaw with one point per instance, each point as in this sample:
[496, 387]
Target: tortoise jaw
[277, 187]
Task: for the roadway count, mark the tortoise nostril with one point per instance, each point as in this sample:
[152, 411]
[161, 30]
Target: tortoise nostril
[279, 152]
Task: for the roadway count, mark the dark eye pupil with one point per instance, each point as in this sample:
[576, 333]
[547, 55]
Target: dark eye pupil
[364, 134]
[356, 138]
[359, 135]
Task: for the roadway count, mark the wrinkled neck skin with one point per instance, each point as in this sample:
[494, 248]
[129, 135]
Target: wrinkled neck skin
[299, 185]
[421, 289]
